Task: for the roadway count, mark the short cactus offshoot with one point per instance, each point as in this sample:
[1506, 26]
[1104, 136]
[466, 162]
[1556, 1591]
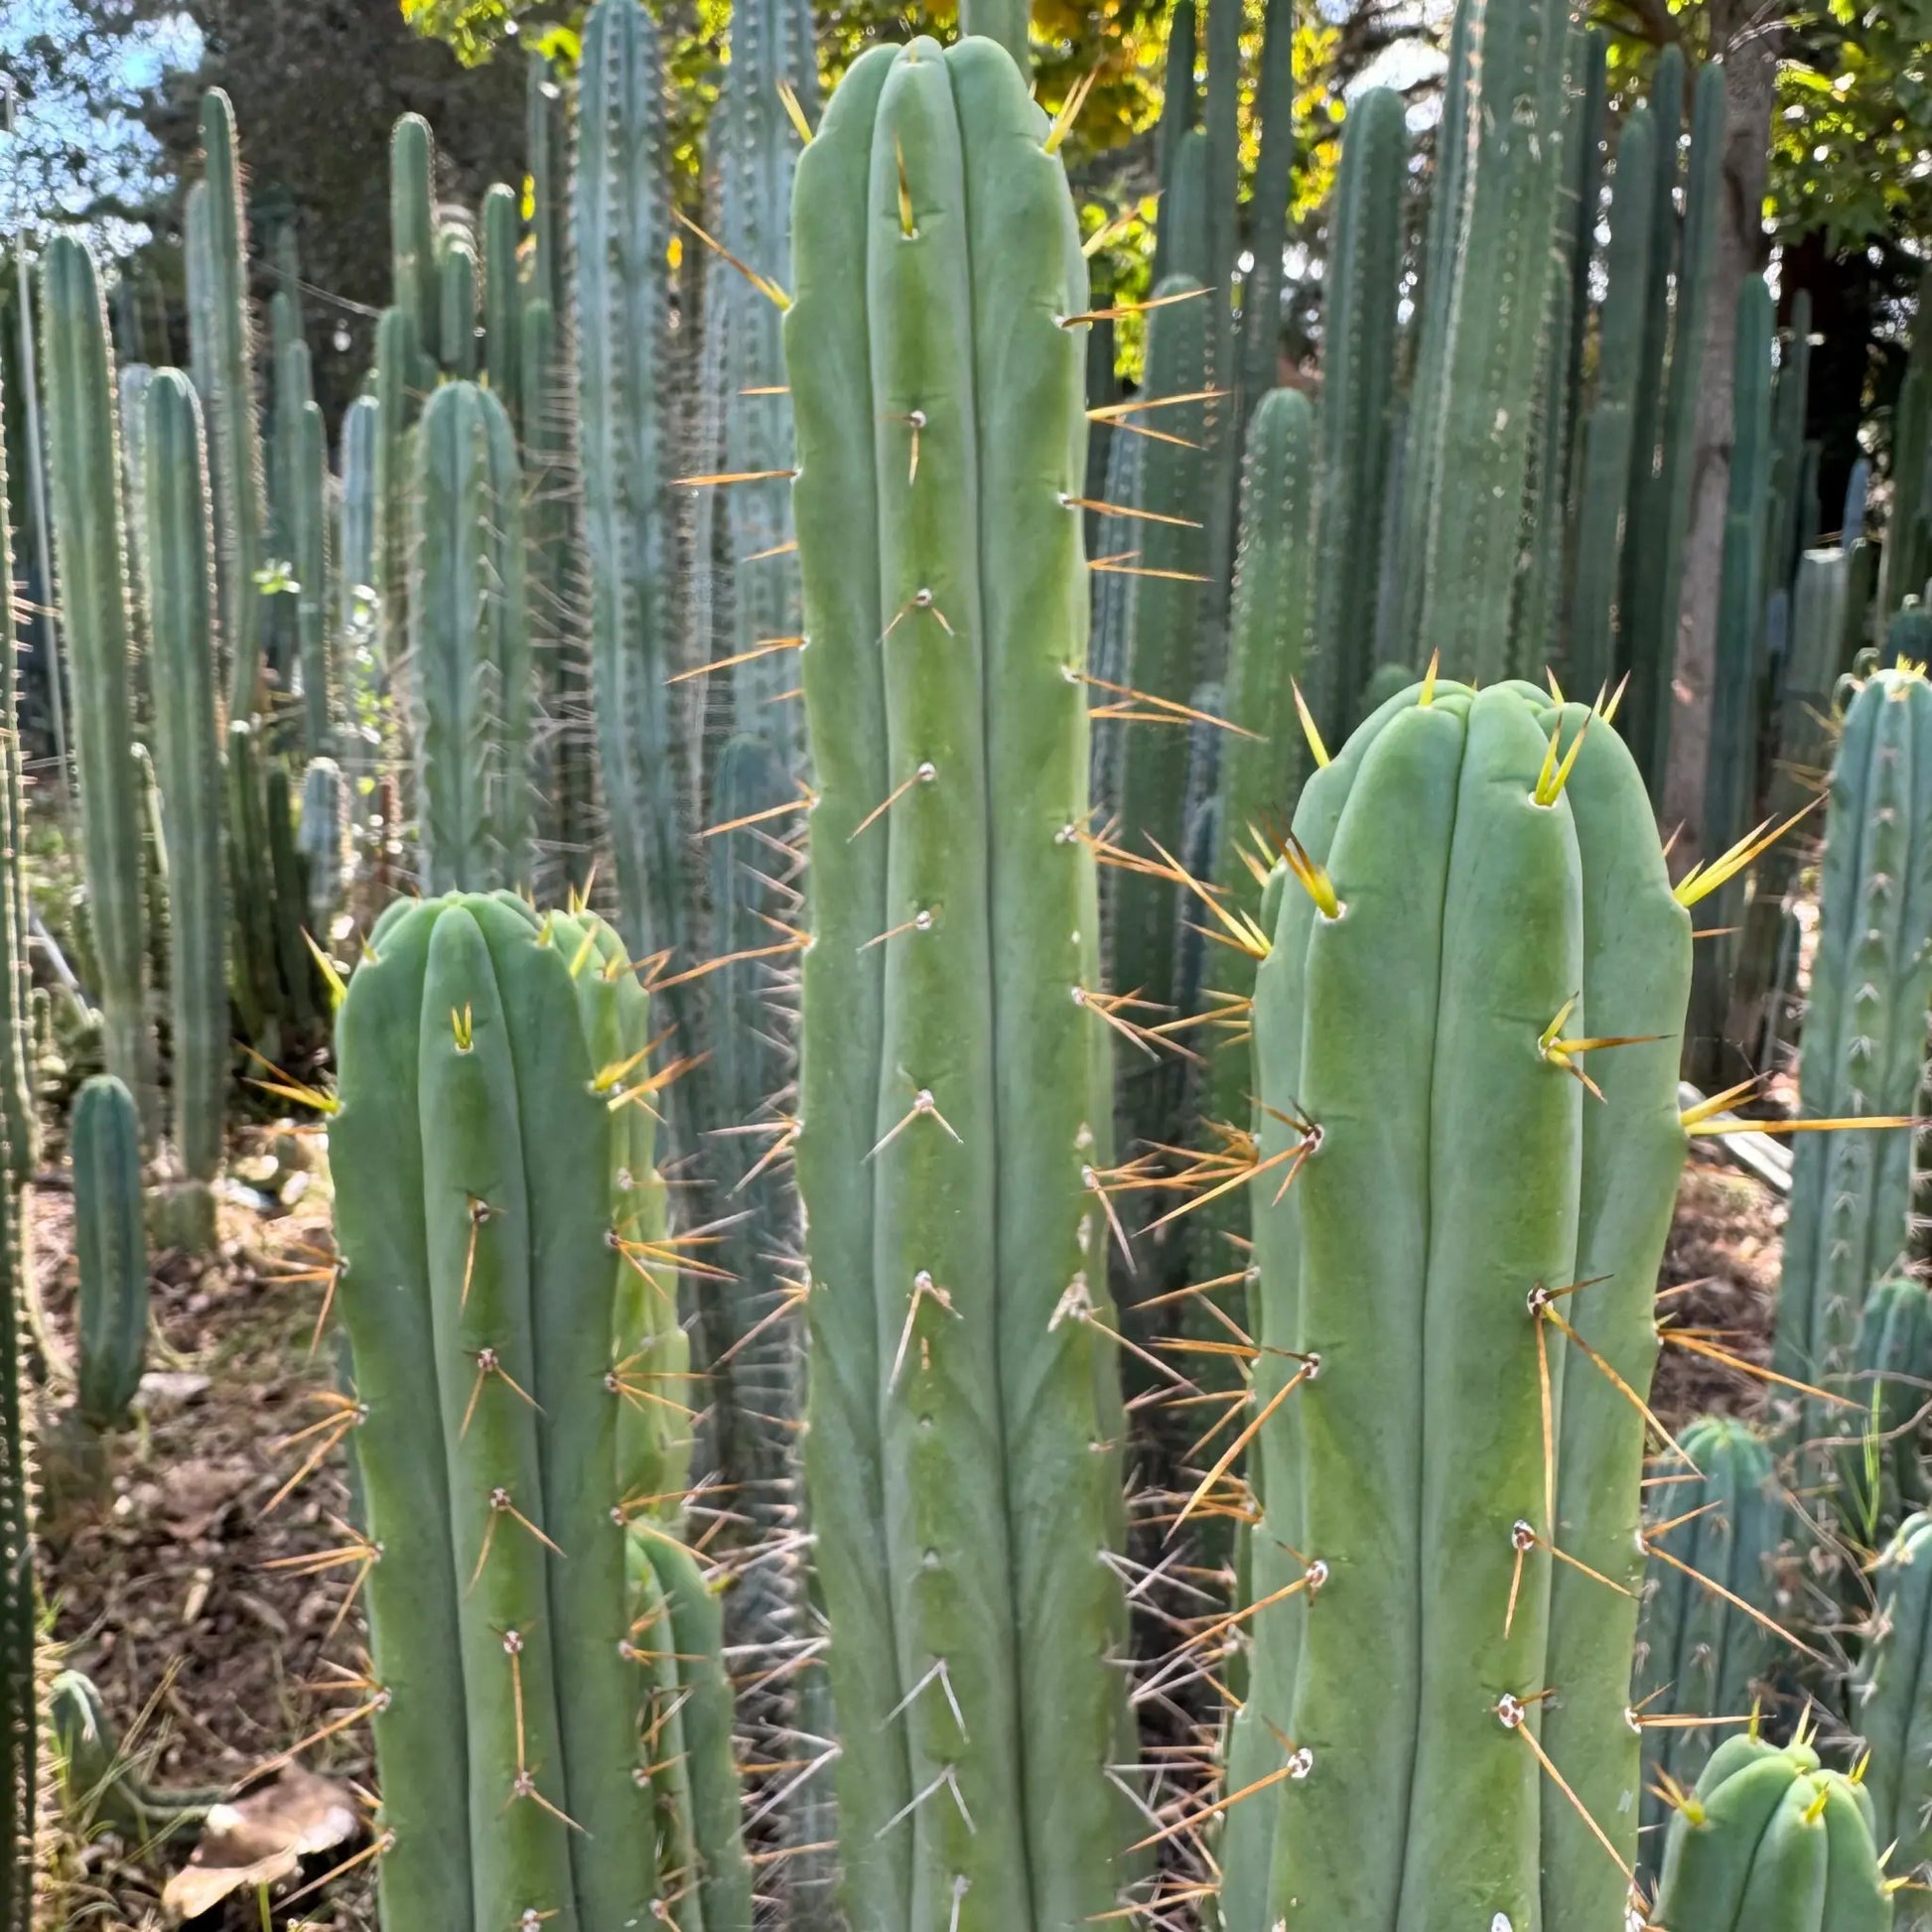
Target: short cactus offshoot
[527, 1680]
[1459, 1214]
[963, 1454]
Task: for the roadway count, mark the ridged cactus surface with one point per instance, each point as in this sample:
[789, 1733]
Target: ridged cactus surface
[1891, 1707]
[414, 287]
[237, 432]
[1771, 1840]
[1864, 1033]
[963, 1452]
[188, 767]
[112, 1249]
[89, 542]
[470, 645]
[1700, 1654]
[520, 1740]
[1470, 921]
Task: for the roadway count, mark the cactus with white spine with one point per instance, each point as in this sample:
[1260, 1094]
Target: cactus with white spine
[1865, 1035]
[90, 540]
[470, 645]
[236, 435]
[962, 1459]
[188, 767]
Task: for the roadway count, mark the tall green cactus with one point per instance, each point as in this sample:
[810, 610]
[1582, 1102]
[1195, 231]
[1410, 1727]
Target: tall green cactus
[1468, 913]
[1660, 513]
[89, 533]
[1864, 1030]
[1260, 289]
[1881, 1471]
[236, 436]
[404, 374]
[354, 618]
[457, 280]
[963, 1454]
[1737, 687]
[1165, 546]
[187, 765]
[323, 838]
[1609, 434]
[1700, 1654]
[621, 217]
[313, 613]
[470, 645]
[1891, 1699]
[1362, 284]
[1771, 1840]
[415, 288]
[111, 1248]
[19, 1609]
[1004, 21]
[1489, 251]
[553, 560]
[502, 296]
[1274, 573]
[521, 1743]
[545, 151]
[1907, 556]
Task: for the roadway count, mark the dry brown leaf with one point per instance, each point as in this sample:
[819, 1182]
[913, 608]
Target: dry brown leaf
[262, 1838]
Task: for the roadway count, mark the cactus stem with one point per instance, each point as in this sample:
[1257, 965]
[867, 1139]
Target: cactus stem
[1556, 1778]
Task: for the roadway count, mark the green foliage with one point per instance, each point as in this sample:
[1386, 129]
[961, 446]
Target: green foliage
[963, 1454]
[1452, 1170]
[111, 1248]
[101, 1786]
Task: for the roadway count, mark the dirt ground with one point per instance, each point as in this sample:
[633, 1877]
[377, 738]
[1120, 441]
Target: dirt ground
[181, 1587]
[183, 1590]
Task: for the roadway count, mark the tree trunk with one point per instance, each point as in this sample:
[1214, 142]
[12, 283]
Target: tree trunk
[1751, 37]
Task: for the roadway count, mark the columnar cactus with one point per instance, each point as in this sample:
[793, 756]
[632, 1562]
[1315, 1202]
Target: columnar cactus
[1166, 545]
[1865, 1031]
[1471, 926]
[1267, 238]
[19, 1618]
[111, 1247]
[89, 533]
[414, 285]
[324, 840]
[1489, 251]
[313, 613]
[1730, 774]
[469, 645]
[237, 435]
[1881, 1471]
[1647, 612]
[1362, 284]
[1891, 1699]
[502, 299]
[457, 284]
[1769, 1839]
[356, 600]
[404, 373]
[620, 214]
[1700, 1654]
[1609, 432]
[532, 1765]
[1274, 573]
[187, 765]
[963, 1451]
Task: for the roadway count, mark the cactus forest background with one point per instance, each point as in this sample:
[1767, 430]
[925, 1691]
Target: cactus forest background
[465, 899]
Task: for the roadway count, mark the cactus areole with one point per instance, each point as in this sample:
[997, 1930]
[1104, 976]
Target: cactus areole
[963, 1452]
